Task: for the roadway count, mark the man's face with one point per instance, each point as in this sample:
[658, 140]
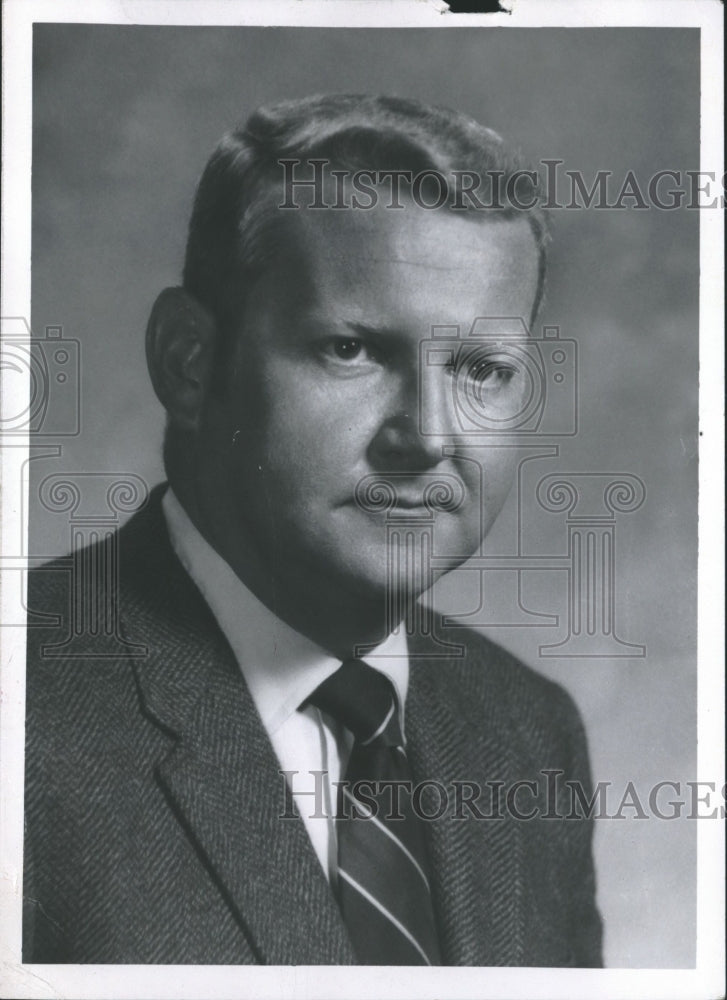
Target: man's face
[325, 389]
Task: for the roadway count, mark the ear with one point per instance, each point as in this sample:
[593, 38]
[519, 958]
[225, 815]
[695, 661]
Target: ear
[180, 342]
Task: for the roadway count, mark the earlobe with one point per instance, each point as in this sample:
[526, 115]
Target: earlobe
[180, 339]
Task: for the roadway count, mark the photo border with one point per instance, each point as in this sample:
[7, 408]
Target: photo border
[322, 981]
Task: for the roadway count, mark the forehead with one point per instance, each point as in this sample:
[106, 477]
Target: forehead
[436, 265]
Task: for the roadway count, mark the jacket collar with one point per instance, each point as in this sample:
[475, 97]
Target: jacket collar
[220, 774]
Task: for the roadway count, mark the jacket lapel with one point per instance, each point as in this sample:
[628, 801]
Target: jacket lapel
[221, 776]
[476, 863]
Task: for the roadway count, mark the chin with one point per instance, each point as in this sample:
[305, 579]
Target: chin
[366, 573]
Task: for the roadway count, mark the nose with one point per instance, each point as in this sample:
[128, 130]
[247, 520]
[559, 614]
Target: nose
[420, 421]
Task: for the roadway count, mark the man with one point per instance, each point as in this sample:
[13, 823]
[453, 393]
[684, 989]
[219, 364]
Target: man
[184, 806]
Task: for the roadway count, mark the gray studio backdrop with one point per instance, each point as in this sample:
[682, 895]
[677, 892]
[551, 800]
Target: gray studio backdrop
[124, 119]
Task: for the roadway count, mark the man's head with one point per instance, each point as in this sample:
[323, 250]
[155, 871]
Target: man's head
[289, 364]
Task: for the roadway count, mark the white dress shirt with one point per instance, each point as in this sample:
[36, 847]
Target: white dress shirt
[282, 668]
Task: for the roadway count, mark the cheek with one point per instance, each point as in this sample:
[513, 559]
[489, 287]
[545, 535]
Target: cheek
[311, 433]
[500, 467]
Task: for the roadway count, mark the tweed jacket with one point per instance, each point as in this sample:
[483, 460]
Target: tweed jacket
[153, 797]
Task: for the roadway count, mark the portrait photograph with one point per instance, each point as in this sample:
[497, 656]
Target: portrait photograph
[362, 462]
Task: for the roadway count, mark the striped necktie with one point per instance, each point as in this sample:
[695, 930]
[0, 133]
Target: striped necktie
[383, 885]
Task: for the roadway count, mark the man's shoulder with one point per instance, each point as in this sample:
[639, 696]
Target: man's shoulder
[483, 666]
[95, 618]
[489, 665]
[82, 606]
[131, 575]
[103, 561]
[484, 680]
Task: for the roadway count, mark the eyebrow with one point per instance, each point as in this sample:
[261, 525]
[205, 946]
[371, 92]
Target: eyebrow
[395, 333]
[367, 330]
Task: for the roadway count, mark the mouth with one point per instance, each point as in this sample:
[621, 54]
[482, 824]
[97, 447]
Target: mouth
[392, 493]
[401, 505]
[413, 502]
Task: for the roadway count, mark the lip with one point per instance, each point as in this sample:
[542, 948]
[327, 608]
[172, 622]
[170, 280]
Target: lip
[409, 504]
[399, 493]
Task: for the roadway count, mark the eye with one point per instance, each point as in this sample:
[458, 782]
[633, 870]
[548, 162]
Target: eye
[490, 373]
[347, 348]
[357, 353]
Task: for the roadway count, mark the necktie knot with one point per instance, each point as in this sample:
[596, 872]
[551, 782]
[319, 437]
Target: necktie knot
[364, 700]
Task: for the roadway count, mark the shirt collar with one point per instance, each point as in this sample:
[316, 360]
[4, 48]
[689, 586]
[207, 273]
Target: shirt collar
[281, 667]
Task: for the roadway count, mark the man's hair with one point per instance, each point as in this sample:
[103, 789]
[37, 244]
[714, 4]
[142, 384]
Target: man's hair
[232, 232]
